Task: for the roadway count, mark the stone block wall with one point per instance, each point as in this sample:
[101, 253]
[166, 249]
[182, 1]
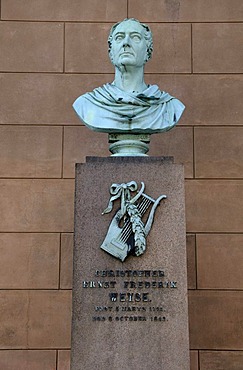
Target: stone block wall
[50, 53]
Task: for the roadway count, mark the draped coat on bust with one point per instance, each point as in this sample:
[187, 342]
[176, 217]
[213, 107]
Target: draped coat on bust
[110, 109]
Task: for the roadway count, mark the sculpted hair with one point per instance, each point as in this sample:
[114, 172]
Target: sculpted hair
[147, 35]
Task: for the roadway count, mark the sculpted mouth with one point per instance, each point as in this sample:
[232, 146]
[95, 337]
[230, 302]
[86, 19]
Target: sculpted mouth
[126, 53]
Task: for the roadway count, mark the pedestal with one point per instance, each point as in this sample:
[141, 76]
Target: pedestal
[132, 314]
[129, 144]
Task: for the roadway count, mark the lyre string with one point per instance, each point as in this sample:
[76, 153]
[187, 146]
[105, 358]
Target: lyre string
[127, 231]
[127, 228]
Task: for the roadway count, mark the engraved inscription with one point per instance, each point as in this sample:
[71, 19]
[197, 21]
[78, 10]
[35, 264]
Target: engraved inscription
[129, 294]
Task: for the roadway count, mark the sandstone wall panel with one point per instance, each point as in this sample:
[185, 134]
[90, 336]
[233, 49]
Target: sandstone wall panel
[221, 360]
[217, 48]
[28, 151]
[66, 265]
[186, 10]
[216, 320]
[220, 258]
[219, 152]
[29, 261]
[36, 205]
[72, 10]
[28, 360]
[35, 319]
[31, 47]
[214, 206]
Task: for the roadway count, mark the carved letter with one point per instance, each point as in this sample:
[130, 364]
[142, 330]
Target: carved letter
[113, 297]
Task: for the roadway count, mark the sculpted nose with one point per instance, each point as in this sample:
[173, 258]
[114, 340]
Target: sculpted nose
[126, 41]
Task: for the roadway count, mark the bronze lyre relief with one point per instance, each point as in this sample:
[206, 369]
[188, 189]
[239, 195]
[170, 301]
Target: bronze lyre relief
[127, 232]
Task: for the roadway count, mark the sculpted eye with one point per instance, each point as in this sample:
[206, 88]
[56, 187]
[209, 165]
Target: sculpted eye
[136, 37]
[119, 38]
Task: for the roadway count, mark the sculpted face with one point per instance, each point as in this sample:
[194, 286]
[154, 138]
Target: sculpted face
[129, 46]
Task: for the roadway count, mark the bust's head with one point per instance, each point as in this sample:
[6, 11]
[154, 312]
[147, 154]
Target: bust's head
[130, 43]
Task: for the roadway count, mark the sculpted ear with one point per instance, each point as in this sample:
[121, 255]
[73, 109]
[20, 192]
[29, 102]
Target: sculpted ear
[111, 56]
[146, 57]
